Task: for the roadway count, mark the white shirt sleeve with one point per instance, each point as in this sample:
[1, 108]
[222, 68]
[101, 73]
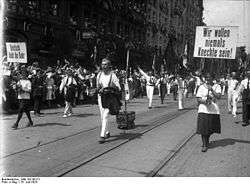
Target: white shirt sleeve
[62, 84]
[201, 92]
[144, 74]
[115, 81]
[217, 88]
[74, 81]
[97, 80]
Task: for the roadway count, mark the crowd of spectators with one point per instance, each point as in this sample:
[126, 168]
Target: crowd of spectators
[46, 84]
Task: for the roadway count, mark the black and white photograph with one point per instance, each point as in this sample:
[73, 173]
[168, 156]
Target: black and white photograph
[124, 88]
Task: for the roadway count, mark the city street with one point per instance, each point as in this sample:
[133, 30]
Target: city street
[163, 143]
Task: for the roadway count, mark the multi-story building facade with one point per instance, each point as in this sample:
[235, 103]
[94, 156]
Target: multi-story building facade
[54, 29]
[72, 28]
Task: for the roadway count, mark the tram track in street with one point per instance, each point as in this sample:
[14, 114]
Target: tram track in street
[171, 155]
[155, 124]
[79, 161]
[72, 135]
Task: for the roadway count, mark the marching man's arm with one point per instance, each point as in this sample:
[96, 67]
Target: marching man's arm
[143, 73]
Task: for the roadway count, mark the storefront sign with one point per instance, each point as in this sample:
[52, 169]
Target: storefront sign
[216, 42]
[16, 52]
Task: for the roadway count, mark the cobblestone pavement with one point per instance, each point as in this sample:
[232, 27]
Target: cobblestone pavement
[228, 154]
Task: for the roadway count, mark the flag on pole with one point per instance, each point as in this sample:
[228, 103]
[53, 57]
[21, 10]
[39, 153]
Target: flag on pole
[184, 61]
[164, 61]
[153, 64]
[95, 54]
[126, 87]
[202, 64]
[127, 63]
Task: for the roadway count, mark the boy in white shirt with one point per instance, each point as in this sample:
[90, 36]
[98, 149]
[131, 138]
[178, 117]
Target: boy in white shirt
[24, 90]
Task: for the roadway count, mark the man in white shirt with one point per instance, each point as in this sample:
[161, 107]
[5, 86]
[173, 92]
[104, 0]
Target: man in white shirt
[232, 83]
[181, 86]
[105, 78]
[67, 87]
[162, 87]
[151, 80]
[24, 90]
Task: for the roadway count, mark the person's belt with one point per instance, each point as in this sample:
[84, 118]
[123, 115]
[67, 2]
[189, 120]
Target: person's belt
[150, 84]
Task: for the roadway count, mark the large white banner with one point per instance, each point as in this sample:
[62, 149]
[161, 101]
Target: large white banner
[216, 42]
[16, 52]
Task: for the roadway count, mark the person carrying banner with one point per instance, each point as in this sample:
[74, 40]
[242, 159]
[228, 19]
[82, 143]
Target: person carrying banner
[107, 83]
[24, 91]
[151, 80]
[208, 121]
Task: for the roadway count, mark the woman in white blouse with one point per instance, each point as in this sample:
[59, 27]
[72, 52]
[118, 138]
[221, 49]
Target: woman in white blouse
[208, 111]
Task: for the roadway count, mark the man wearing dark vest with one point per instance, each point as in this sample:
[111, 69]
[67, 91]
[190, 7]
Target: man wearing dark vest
[245, 90]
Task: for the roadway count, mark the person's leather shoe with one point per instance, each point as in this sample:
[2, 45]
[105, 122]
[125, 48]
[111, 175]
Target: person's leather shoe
[204, 149]
[245, 124]
[107, 135]
[14, 127]
[30, 124]
[101, 140]
[37, 114]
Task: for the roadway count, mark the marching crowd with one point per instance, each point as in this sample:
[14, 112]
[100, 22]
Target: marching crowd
[71, 84]
[49, 86]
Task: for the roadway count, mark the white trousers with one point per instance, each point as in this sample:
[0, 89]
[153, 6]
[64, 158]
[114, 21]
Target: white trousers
[230, 100]
[159, 90]
[68, 108]
[104, 118]
[150, 93]
[180, 99]
[223, 90]
[195, 89]
[185, 92]
[236, 98]
[168, 88]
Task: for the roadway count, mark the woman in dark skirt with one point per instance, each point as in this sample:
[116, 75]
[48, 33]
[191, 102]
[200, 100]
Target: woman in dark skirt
[208, 111]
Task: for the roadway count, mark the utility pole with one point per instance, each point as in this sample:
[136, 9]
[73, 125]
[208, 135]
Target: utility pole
[244, 23]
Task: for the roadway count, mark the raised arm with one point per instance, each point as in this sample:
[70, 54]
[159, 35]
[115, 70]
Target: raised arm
[143, 73]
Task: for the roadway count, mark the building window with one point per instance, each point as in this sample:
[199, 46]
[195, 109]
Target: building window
[53, 8]
[73, 13]
[33, 7]
[87, 13]
[12, 5]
